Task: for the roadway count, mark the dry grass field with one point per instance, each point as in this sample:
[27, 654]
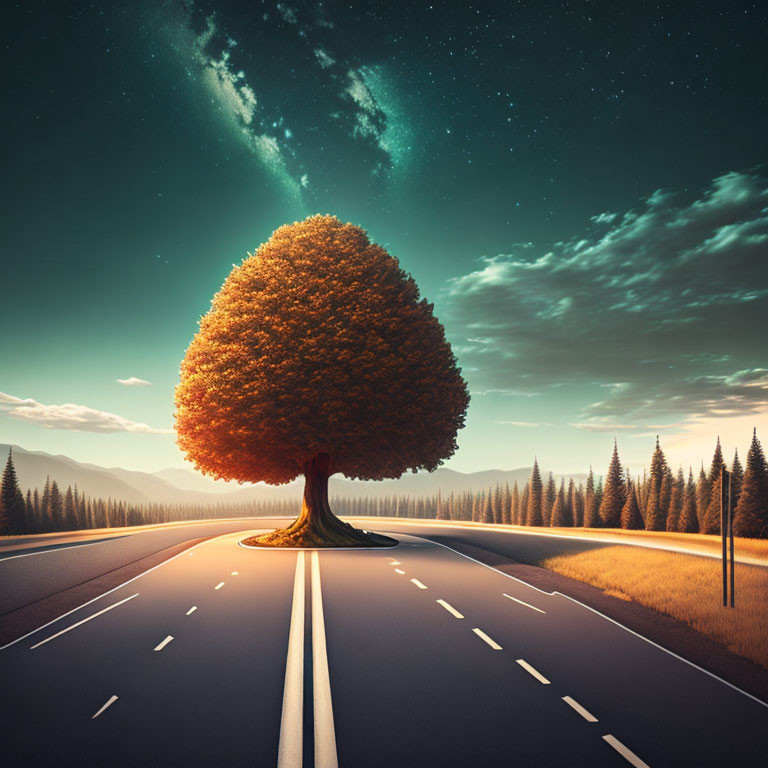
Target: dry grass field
[685, 587]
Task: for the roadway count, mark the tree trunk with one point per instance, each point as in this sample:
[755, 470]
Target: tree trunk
[316, 525]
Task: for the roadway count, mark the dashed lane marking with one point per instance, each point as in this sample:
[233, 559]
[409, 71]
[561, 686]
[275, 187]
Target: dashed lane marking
[625, 752]
[588, 716]
[448, 607]
[161, 645]
[110, 701]
[219, 585]
[192, 610]
[528, 668]
[483, 636]
[418, 584]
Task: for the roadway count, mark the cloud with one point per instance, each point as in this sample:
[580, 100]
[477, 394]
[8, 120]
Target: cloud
[323, 59]
[522, 423]
[362, 113]
[134, 382]
[602, 426]
[662, 305]
[78, 418]
[288, 13]
[208, 54]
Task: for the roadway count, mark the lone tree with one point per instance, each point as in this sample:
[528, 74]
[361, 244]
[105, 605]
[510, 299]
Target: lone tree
[318, 356]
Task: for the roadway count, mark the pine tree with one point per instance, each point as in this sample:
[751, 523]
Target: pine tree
[614, 494]
[13, 517]
[535, 500]
[506, 506]
[642, 493]
[561, 515]
[55, 508]
[591, 503]
[703, 493]
[577, 510]
[37, 523]
[515, 507]
[441, 512]
[676, 502]
[548, 502]
[689, 519]
[654, 507]
[487, 508]
[712, 517]
[630, 512]
[737, 478]
[477, 502]
[658, 501]
[524, 504]
[751, 518]
[496, 505]
[70, 523]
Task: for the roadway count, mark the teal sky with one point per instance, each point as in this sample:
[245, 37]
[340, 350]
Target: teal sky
[582, 192]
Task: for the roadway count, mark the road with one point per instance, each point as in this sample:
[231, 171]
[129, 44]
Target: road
[410, 656]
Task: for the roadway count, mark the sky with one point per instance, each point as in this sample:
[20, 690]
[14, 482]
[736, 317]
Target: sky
[580, 188]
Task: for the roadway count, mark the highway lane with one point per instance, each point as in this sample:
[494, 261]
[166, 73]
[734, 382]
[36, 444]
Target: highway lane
[431, 658]
[36, 572]
[210, 696]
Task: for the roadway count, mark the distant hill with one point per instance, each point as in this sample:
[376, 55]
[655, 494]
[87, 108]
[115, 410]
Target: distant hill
[178, 485]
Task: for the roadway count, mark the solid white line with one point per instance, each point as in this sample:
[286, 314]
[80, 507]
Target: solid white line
[82, 621]
[160, 646]
[55, 548]
[528, 668]
[527, 605]
[397, 570]
[219, 585]
[98, 597]
[418, 584]
[192, 610]
[325, 732]
[492, 643]
[448, 607]
[588, 716]
[110, 701]
[602, 615]
[289, 751]
[627, 754]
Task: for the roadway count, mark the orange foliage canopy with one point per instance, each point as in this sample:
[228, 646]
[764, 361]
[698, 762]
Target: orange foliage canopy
[319, 343]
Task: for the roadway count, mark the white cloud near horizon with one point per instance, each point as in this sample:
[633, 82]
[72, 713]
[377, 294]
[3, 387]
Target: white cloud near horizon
[134, 382]
[77, 418]
[661, 309]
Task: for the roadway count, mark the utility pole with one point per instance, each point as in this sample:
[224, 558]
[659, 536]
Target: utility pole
[726, 532]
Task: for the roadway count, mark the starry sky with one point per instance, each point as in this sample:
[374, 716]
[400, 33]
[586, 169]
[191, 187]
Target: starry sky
[579, 187]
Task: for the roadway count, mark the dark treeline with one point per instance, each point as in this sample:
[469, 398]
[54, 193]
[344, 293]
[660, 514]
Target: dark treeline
[660, 500]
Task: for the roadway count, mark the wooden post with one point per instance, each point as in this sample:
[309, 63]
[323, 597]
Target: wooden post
[724, 529]
[730, 536]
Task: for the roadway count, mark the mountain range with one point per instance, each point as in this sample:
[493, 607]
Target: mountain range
[176, 485]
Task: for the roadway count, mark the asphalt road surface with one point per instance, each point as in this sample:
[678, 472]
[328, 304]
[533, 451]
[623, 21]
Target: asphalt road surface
[410, 656]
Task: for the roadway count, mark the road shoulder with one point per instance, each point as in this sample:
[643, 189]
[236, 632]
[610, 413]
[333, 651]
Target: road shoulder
[19, 622]
[670, 633]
